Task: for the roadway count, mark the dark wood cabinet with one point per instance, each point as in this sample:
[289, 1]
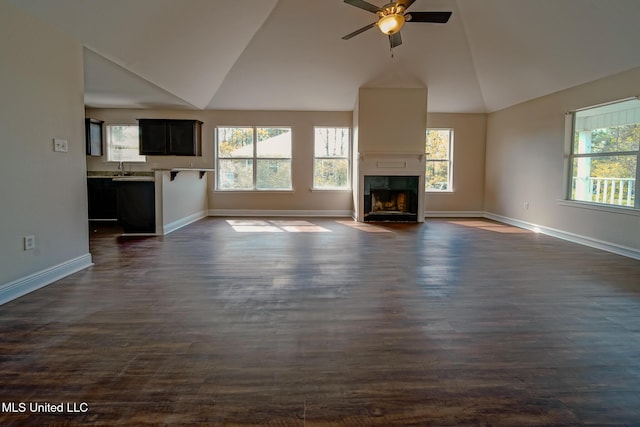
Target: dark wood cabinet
[93, 136]
[170, 137]
[136, 206]
[102, 199]
[153, 140]
[184, 138]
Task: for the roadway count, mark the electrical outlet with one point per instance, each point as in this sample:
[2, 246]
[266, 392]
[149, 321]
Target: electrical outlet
[526, 206]
[29, 242]
[60, 145]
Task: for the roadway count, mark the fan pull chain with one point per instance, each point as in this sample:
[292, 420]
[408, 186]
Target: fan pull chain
[390, 47]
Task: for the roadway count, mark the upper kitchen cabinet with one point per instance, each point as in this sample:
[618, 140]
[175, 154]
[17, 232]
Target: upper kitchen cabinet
[93, 136]
[170, 137]
[153, 137]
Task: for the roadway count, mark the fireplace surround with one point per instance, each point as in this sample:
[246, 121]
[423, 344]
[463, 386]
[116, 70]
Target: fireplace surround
[390, 198]
[390, 187]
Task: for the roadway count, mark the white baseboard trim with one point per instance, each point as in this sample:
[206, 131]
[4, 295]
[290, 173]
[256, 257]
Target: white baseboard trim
[277, 213]
[571, 237]
[454, 214]
[35, 281]
[175, 225]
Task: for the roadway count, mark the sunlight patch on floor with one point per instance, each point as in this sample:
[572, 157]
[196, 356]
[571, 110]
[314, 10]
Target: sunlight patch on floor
[369, 228]
[267, 226]
[256, 229]
[490, 226]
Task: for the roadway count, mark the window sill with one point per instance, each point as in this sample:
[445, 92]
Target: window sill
[116, 162]
[621, 210]
[329, 190]
[253, 191]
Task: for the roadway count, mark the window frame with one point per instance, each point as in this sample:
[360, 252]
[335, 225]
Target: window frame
[254, 158]
[347, 158]
[448, 160]
[108, 126]
[572, 156]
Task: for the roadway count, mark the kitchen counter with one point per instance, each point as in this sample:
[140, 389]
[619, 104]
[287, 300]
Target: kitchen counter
[118, 176]
[173, 172]
[149, 203]
[133, 178]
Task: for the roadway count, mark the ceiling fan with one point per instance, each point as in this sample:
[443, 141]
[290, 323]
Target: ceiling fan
[392, 16]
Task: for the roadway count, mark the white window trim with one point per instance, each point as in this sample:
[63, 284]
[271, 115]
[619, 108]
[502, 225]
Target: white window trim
[450, 185]
[254, 159]
[615, 209]
[570, 120]
[348, 188]
[108, 143]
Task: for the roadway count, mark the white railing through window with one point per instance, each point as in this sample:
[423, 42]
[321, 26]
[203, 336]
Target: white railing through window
[613, 191]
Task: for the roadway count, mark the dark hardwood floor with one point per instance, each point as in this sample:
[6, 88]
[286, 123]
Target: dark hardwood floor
[326, 322]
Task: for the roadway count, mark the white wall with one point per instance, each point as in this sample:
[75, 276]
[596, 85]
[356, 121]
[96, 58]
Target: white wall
[469, 140]
[392, 120]
[302, 199]
[470, 132]
[43, 192]
[183, 199]
[525, 162]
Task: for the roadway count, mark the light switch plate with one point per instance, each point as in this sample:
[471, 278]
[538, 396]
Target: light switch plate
[60, 145]
[29, 242]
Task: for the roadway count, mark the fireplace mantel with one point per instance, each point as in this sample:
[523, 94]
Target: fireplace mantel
[385, 154]
[375, 163]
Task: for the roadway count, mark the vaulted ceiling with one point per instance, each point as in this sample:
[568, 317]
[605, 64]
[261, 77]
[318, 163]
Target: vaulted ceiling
[289, 55]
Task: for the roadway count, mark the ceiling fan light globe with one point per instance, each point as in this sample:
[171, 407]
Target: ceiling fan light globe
[391, 24]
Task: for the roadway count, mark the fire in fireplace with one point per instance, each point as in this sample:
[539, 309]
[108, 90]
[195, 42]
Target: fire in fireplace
[389, 201]
[391, 198]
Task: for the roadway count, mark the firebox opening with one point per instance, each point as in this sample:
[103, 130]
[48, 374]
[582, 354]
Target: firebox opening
[390, 201]
[391, 198]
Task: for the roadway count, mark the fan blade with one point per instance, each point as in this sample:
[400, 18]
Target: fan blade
[406, 3]
[363, 5]
[435, 17]
[361, 30]
[395, 40]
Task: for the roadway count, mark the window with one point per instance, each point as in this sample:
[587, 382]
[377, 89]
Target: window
[245, 165]
[331, 158]
[123, 144]
[605, 151]
[439, 149]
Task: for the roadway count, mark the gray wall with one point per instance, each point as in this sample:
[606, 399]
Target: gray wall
[43, 192]
[526, 163]
[468, 165]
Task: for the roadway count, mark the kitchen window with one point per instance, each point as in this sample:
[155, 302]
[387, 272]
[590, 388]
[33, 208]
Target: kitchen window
[253, 158]
[123, 144]
[331, 158]
[605, 152]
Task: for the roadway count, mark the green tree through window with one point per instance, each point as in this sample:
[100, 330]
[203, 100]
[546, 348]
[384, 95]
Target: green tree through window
[253, 158]
[331, 158]
[438, 148]
[605, 154]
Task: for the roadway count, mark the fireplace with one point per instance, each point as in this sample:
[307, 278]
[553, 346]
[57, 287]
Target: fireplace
[390, 187]
[391, 198]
